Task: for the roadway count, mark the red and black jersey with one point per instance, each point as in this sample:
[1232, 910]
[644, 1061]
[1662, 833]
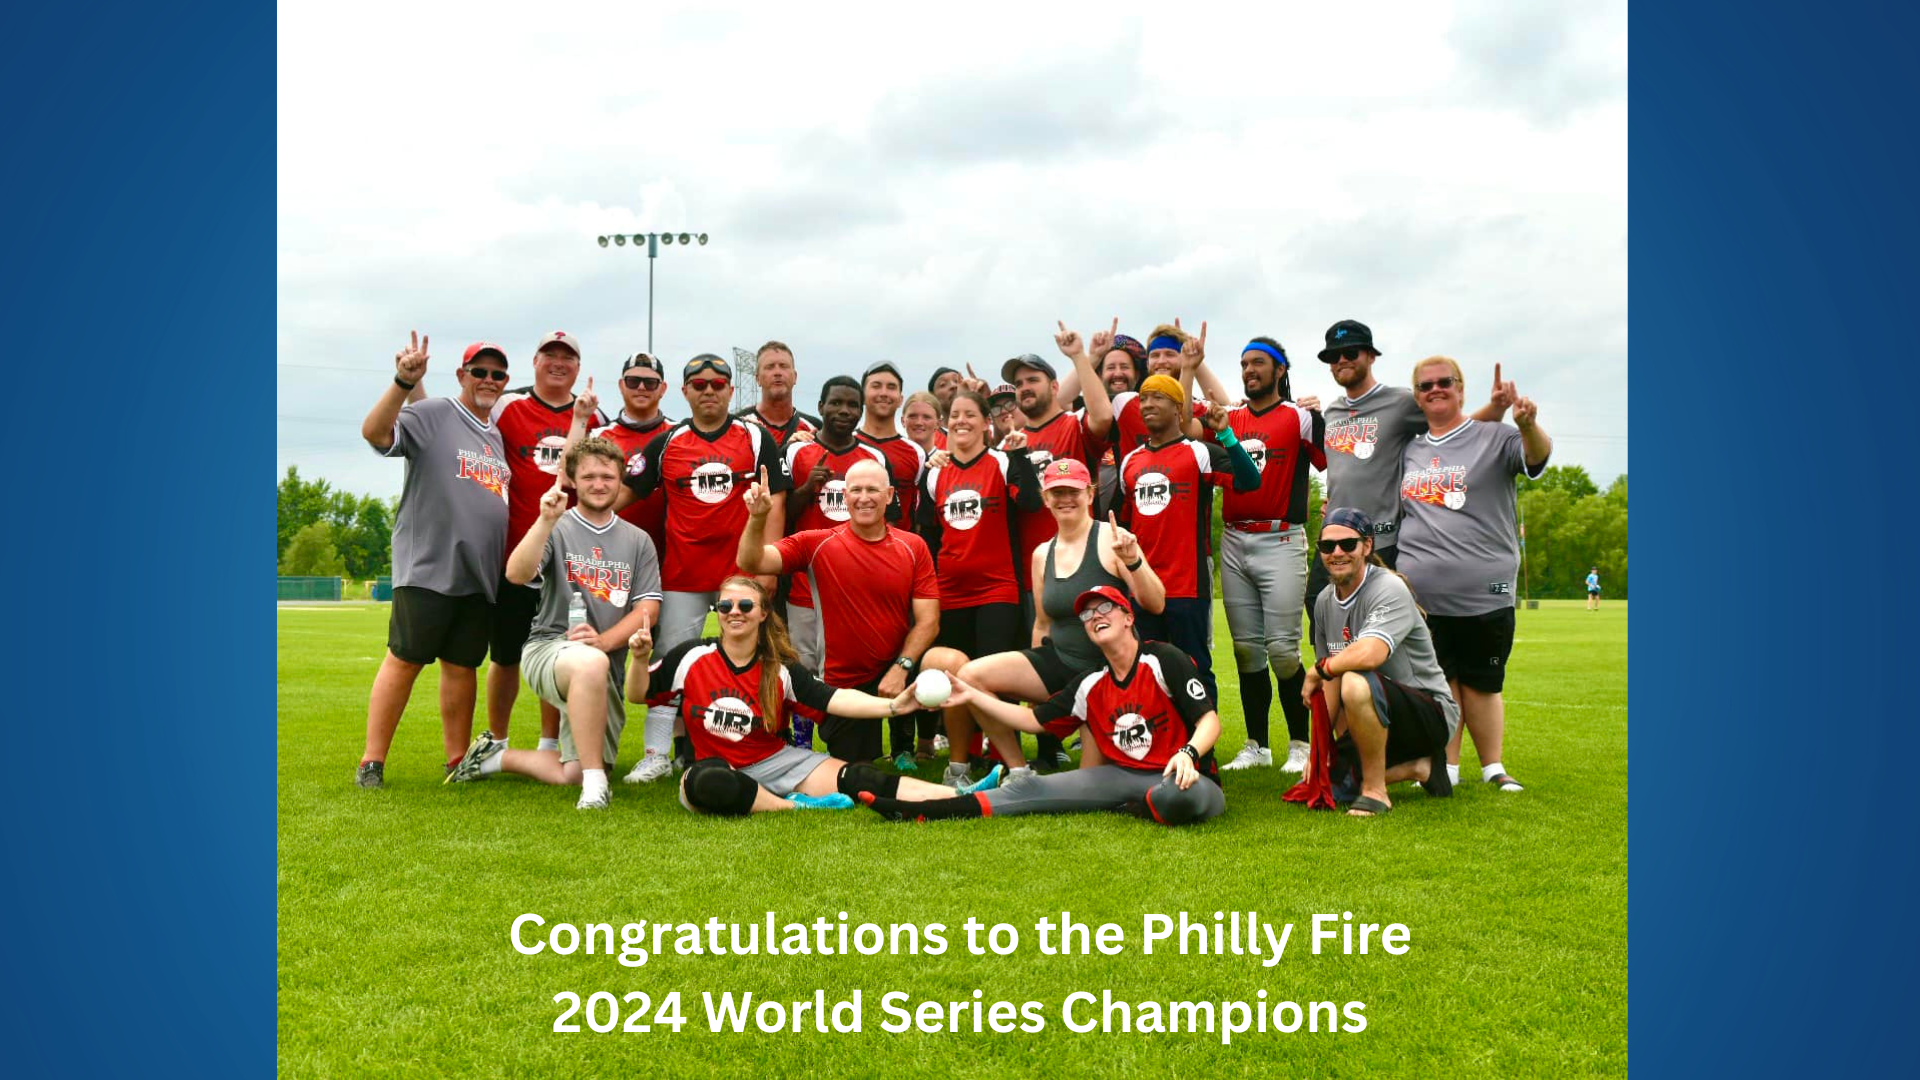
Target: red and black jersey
[827, 507]
[535, 434]
[967, 515]
[649, 513]
[799, 421]
[906, 461]
[1166, 496]
[1283, 440]
[1138, 720]
[1064, 436]
[866, 590]
[720, 703]
[1129, 427]
[704, 474]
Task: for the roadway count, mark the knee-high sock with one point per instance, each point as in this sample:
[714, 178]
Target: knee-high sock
[964, 806]
[1256, 701]
[1298, 720]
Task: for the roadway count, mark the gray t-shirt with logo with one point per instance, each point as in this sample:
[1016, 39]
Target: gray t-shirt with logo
[451, 533]
[610, 567]
[1459, 536]
[1383, 608]
[1366, 439]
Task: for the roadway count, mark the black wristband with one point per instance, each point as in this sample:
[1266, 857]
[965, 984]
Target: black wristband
[1192, 754]
[1320, 668]
[1137, 563]
[403, 384]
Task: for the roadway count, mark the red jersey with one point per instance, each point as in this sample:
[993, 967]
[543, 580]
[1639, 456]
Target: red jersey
[940, 439]
[828, 506]
[704, 474]
[536, 437]
[967, 514]
[1064, 436]
[1129, 431]
[866, 590]
[799, 421]
[649, 513]
[1166, 493]
[720, 704]
[1282, 441]
[1138, 720]
[906, 461]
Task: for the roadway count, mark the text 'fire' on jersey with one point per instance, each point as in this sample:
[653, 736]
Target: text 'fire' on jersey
[1139, 720]
[827, 507]
[705, 474]
[1166, 497]
[720, 703]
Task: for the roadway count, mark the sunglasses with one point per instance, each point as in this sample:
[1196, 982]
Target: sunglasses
[1099, 610]
[1348, 544]
[708, 365]
[1444, 383]
[1348, 353]
[490, 374]
[707, 384]
[725, 607]
[636, 382]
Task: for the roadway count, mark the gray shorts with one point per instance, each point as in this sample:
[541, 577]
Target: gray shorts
[783, 773]
[1263, 585]
[1107, 787]
[537, 661]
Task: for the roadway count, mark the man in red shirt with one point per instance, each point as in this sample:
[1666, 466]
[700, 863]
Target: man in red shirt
[643, 381]
[881, 382]
[774, 370]
[878, 599]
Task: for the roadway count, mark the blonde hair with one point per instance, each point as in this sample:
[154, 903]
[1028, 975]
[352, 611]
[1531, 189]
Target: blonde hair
[773, 651]
[595, 447]
[1169, 330]
[921, 395]
[1459, 379]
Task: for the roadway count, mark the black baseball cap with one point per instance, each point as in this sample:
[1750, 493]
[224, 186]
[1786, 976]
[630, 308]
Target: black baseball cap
[1348, 334]
[642, 360]
[1011, 368]
[706, 361]
[1350, 518]
[879, 366]
[937, 372]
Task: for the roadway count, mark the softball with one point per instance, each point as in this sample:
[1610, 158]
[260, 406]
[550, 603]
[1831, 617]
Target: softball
[932, 688]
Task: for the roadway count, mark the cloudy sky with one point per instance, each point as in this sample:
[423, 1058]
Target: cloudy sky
[938, 189]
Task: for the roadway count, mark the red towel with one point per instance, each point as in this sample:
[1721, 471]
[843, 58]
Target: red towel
[1316, 789]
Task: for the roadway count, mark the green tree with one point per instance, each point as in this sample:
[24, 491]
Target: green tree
[1572, 479]
[311, 553]
[300, 504]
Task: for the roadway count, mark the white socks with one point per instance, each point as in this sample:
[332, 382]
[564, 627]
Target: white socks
[1488, 772]
[593, 782]
[548, 744]
[492, 764]
[1453, 774]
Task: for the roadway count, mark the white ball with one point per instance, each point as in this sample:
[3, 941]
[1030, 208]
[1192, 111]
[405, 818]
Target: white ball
[932, 688]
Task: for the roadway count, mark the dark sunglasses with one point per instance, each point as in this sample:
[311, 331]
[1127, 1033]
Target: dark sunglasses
[1348, 544]
[1095, 611]
[490, 374]
[1445, 382]
[636, 382]
[725, 607]
[707, 384]
[1348, 353]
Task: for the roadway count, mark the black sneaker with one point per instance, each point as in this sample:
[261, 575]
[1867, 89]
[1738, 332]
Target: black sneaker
[371, 774]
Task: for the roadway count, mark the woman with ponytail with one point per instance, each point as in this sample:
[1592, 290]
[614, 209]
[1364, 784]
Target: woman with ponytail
[737, 695]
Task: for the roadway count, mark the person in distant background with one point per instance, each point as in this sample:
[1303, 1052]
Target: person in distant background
[1593, 589]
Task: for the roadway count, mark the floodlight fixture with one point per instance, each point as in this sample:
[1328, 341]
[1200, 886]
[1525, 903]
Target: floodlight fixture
[666, 238]
[618, 238]
[685, 239]
[603, 241]
[703, 240]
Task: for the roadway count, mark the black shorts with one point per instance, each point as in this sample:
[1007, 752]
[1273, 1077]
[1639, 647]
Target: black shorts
[1473, 649]
[425, 626]
[981, 631]
[1416, 724]
[1054, 671]
[851, 739]
[512, 620]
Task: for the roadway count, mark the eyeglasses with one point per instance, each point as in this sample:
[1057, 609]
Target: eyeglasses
[1445, 382]
[707, 384]
[490, 374]
[636, 382]
[1099, 610]
[725, 607]
[1001, 410]
[1348, 353]
[1347, 544]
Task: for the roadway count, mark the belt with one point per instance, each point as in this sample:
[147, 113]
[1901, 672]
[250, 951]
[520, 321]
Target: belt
[1258, 526]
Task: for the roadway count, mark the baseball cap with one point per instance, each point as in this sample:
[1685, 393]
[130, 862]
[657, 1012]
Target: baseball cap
[642, 360]
[1098, 593]
[1348, 334]
[1350, 518]
[479, 347]
[1165, 384]
[560, 337]
[1011, 369]
[1066, 472]
[877, 367]
[937, 372]
[706, 361]
[1002, 391]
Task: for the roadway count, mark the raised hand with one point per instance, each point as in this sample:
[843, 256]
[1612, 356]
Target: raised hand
[554, 502]
[641, 643]
[1126, 546]
[1103, 340]
[1524, 413]
[1504, 393]
[410, 363]
[1067, 340]
[586, 406]
[1216, 417]
[1015, 440]
[975, 383]
[1195, 348]
[759, 496]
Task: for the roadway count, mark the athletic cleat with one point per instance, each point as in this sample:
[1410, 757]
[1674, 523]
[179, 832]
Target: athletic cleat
[940, 744]
[1296, 757]
[1506, 783]
[649, 768]
[903, 761]
[597, 801]
[1021, 775]
[371, 774]
[836, 801]
[985, 783]
[483, 748]
[957, 777]
[1251, 756]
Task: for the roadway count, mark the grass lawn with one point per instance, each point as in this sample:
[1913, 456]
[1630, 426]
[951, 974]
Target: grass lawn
[394, 905]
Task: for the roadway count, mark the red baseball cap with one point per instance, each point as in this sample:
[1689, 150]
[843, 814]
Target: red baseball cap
[1097, 594]
[479, 347]
[1066, 472]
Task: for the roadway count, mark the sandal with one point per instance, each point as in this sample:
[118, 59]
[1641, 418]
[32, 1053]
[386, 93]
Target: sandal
[1368, 807]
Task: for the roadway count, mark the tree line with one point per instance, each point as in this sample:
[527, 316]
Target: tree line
[328, 533]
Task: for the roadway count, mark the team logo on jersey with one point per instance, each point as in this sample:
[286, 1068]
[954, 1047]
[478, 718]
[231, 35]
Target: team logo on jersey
[636, 463]
[609, 579]
[486, 470]
[597, 554]
[1355, 435]
[1256, 450]
[963, 508]
[1196, 689]
[1346, 633]
[729, 718]
[1436, 485]
[833, 499]
[1041, 458]
[712, 481]
[1152, 492]
[1132, 735]
[548, 452]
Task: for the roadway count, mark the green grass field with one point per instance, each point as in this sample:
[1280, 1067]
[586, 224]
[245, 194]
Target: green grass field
[395, 905]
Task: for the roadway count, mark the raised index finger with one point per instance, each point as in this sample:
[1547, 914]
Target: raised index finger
[1061, 323]
[1116, 325]
[1203, 333]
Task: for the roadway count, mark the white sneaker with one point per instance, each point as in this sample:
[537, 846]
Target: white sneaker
[595, 798]
[1296, 757]
[650, 768]
[940, 744]
[1251, 756]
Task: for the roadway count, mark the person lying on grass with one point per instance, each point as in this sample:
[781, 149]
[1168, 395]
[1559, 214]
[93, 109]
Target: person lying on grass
[1145, 710]
[737, 696]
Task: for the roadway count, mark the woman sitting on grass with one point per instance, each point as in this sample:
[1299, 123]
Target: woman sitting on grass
[737, 695]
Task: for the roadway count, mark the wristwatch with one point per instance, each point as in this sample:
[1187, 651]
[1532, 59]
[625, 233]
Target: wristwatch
[905, 665]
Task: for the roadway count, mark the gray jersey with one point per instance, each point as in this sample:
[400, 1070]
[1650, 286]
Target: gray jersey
[1383, 608]
[451, 532]
[1366, 440]
[1460, 538]
[611, 567]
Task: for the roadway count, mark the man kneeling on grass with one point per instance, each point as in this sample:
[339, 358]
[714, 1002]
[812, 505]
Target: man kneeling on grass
[599, 581]
[1147, 713]
[1383, 683]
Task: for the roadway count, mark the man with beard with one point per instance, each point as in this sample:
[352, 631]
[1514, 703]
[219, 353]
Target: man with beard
[642, 383]
[818, 469]
[1263, 551]
[599, 582]
[1121, 362]
[774, 370]
[702, 462]
[905, 459]
[448, 541]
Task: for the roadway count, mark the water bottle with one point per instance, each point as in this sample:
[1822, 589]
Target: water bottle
[576, 608]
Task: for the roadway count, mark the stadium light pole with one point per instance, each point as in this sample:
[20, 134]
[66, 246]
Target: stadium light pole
[653, 242]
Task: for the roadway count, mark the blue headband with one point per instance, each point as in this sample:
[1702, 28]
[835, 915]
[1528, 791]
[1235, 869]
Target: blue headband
[1163, 342]
[1261, 346]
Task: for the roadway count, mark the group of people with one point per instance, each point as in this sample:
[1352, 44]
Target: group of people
[1032, 558]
